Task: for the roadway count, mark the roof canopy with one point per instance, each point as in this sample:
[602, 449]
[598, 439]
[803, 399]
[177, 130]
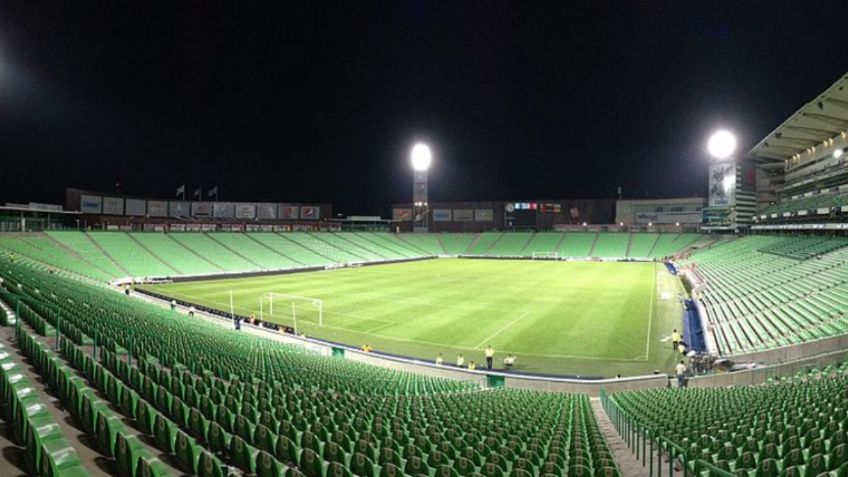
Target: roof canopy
[816, 123]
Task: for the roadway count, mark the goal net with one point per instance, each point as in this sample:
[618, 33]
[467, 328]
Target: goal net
[546, 255]
[291, 310]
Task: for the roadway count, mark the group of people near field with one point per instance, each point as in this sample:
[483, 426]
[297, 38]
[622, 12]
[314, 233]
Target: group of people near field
[489, 354]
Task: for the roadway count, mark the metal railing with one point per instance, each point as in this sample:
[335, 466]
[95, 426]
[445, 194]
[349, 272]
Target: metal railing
[655, 451]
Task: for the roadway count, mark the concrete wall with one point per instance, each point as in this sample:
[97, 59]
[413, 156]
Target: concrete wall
[761, 375]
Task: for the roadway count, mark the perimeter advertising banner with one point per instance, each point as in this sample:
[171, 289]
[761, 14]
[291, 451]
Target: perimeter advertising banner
[245, 211]
[266, 211]
[136, 207]
[157, 208]
[402, 214]
[288, 212]
[91, 204]
[463, 215]
[201, 209]
[442, 215]
[224, 210]
[310, 212]
[484, 215]
[179, 209]
[113, 206]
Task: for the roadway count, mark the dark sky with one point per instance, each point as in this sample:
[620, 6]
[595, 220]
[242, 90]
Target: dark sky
[320, 101]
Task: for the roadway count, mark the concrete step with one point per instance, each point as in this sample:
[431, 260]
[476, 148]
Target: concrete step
[627, 462]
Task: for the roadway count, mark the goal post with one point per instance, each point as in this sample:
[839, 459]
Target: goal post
[546, 255]
[285, 309]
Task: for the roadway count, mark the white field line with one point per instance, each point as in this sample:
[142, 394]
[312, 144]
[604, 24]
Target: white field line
[461, 348]
[501, 330]
[651, 315]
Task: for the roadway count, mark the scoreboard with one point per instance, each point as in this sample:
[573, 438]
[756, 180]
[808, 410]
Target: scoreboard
[527, 214]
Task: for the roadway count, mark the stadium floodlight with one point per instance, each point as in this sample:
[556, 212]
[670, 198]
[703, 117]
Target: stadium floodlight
[722, 144]
[838, 153]
[421, 157]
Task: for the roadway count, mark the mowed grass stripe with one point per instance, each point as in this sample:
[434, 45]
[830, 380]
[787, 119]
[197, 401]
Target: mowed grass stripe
[567, 309]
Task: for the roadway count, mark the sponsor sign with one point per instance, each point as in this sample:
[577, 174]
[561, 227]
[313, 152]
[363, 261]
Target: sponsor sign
[201, 209]
[722, 185]
[288, 212]
[442, 215]
[245, 211]
[113, 206]
[179, 209]
[310, 212]
[91, 204]
[484, 215]
[463, 215]
[266, 211]
[402, 214]
[136, 207]
[224, 210]
[157, 208]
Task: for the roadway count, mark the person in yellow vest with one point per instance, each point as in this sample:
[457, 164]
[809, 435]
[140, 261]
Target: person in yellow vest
[472, 366]
[490, 355]
[439, 360]
[675, 339]
[460, 361]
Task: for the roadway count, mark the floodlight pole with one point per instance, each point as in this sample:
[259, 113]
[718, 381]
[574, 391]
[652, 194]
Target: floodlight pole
[420, 202]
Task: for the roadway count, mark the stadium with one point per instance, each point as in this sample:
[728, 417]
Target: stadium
[151, 334]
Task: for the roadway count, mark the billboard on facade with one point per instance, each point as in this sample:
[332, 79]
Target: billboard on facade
[310, 212]
[288, 212]
[201, 209]
[157, 208]
[442, 215]
[245, 211]
[113, 205]
[135, 207]
[266, 211]
[91, 204]
[179, 209]
[722, 184]
[484, 215]
[224, 210]
[463, 215]
[402, 214]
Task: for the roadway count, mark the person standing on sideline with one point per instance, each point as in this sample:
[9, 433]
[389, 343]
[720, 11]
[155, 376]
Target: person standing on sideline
[490, 355]
[173, 305]
[472, 366]
[460, 361]
[439, 360]
[191, 311]
[675, 339]
[680, 371]
[237, 323]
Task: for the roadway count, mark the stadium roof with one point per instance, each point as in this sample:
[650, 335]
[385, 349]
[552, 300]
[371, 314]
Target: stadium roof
[816, 123]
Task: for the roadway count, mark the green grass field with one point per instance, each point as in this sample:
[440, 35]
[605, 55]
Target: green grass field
[574, 318]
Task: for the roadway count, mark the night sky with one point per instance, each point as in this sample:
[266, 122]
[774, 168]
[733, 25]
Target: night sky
[321, 101]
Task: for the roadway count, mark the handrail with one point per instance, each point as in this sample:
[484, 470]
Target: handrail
[647, 444]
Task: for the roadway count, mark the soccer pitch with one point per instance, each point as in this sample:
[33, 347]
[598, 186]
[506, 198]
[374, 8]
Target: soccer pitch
[572, 318]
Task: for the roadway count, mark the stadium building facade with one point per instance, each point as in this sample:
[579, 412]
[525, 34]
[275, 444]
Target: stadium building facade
[803, 168]
[117, 212]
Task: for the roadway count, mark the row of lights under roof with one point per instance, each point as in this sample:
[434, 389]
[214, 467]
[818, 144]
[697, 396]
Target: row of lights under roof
[837, 153]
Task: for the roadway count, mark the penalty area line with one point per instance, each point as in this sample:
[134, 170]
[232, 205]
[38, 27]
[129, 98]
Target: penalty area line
[496, 333]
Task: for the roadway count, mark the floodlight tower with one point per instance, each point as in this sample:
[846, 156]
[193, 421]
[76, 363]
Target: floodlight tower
[421, 159]
[732, 188]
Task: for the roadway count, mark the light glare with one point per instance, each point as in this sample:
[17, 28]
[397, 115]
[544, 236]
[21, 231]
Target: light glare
[421, 157]
[838, 153]
[721, 144]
